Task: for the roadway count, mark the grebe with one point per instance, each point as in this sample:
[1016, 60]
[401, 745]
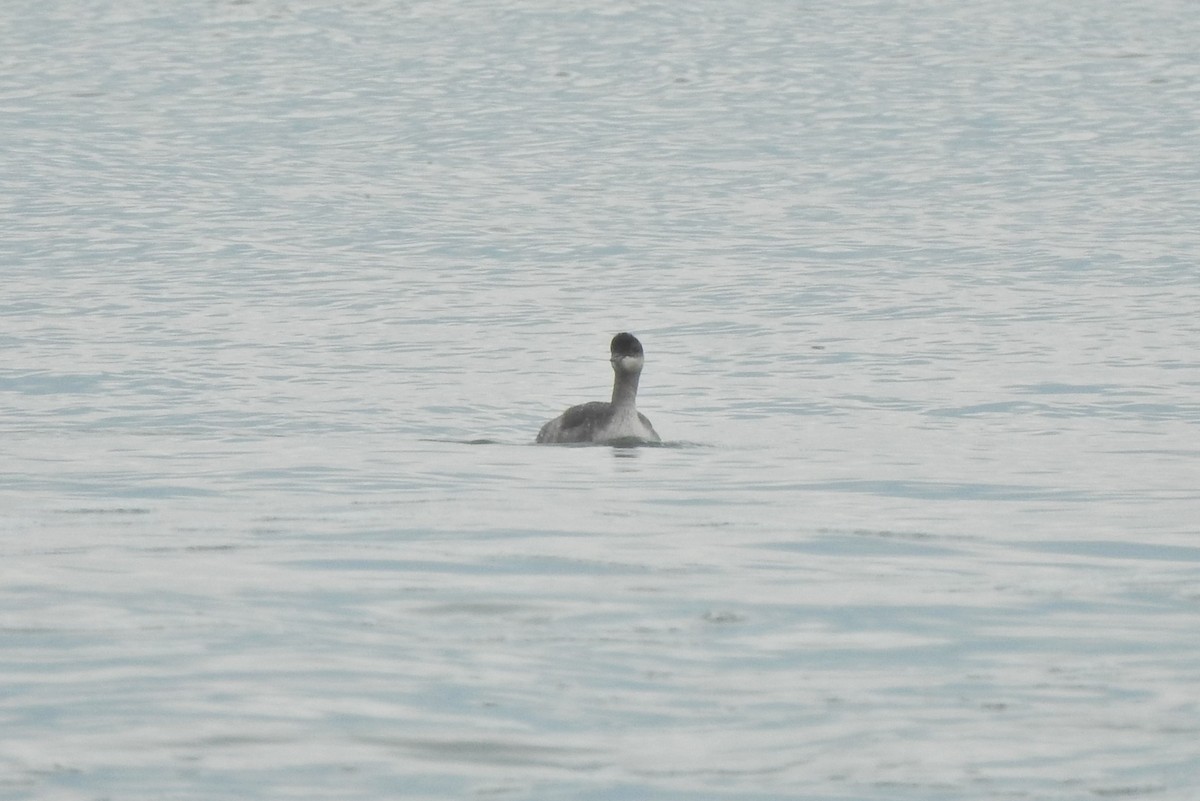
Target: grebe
[605, 422]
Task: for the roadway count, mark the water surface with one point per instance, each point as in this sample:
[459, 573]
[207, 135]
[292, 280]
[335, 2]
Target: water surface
[290, 288]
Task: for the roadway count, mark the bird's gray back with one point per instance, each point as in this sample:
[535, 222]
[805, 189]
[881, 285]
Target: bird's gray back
[577, 424]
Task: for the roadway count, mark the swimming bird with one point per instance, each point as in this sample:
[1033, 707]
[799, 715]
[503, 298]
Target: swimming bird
[605, 422]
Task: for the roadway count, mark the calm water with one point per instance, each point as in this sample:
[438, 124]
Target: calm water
[289, 289]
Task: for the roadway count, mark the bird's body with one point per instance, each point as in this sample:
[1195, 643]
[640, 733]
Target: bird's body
[597, 421]
[601, 421]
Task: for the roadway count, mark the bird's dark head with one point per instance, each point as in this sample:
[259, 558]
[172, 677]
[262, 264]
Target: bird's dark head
[627, 354]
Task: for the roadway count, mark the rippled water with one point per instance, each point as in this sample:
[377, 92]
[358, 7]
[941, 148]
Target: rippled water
[289, 289]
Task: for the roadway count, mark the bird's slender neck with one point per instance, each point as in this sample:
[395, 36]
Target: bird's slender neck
[625, 387]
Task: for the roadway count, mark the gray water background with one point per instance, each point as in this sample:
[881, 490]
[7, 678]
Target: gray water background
[289, 287]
